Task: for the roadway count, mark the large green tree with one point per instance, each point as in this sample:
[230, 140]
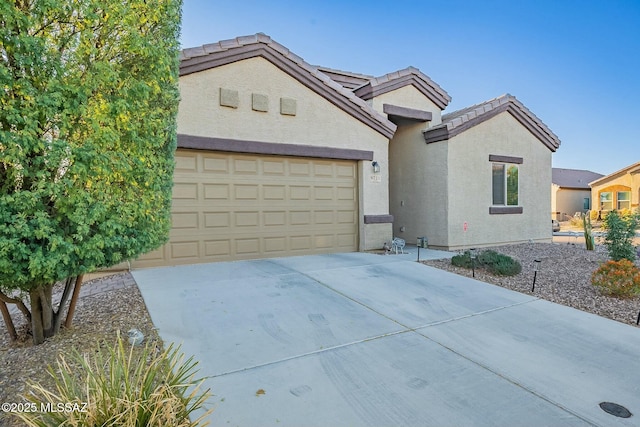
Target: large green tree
[87, 134]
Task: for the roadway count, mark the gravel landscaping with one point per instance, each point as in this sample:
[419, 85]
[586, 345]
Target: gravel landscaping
[564, 278]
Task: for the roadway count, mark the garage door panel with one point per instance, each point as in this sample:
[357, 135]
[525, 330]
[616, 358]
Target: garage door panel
[299, 168]
[216, 191]
[274, 192]
[250, 246]
[245, 167]
[186, 164]
[346, 217]
[274, 167]
[245, 192]
[186, 220]
[346, 193]
[344, 171]
[247, 219]
[275, 218]
[185, 249]
[216, 164]
[230, 206]
[323, 193]
[217, 248]
[324, 217]
[347, 240]
[297, 192]
[217, 219]
[324, 241]
[323, 169]
[185, 191]
[275, 245]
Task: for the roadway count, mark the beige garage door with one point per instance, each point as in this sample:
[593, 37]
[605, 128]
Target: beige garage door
[229, 206]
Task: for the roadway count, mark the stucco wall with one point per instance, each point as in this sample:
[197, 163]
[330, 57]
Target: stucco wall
[409, 97]
[614, 184]
[417, 180]
[317, 122]
[470, 185]
[566, 202]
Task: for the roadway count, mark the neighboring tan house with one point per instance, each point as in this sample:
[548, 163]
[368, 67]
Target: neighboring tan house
[277, 157]
[570, 192]
[619, 190]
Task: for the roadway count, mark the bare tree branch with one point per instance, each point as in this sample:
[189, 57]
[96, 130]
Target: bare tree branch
[17, 301]
[8, 321]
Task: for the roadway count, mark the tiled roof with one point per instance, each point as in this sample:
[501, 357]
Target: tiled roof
[573, 178]
[397, 79]
[346, 78]
[461, 120]
[632, 169]
[224, 52]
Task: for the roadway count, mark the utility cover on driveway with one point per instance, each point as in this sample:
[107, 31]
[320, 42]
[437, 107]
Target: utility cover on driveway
[367, 340]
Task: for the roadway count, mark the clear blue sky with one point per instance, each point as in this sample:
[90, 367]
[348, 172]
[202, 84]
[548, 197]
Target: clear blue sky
[574, 63]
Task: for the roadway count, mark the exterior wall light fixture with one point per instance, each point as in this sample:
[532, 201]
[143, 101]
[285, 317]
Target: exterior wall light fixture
[376, 167]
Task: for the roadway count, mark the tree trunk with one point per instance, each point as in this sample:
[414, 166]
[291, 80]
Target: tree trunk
[42, 325]
[8, 321]
[72, 303]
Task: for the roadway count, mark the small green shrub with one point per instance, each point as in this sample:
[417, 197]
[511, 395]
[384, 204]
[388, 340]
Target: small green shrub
[593, 215]
[617, 278]
[620, 231]
[492, 261]
[134, 388]
[462, 260]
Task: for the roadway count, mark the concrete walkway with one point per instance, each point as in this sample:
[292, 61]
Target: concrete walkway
[369, 340]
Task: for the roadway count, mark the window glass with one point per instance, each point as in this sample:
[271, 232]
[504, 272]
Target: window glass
[586, 204]
[512, 185]
[498, 184]
[624, 200]
[504, 184]
[606, 201]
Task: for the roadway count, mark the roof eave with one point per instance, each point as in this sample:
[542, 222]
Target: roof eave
[424, 85]
[517, 111]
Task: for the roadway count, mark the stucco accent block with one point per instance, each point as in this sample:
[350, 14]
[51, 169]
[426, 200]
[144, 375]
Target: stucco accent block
[229, 98]
[407, 113]
[505, 210]
[506, 159]
[378, 219]
[259, 102]
[288, 106]
[276, 149]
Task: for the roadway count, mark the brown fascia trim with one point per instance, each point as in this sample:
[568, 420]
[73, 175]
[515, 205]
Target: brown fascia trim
[407, 113]
[505, 159]
[270, 148]
[201, 63]
[443, 133]
[368, 92]
[505, 210]
[378, 219]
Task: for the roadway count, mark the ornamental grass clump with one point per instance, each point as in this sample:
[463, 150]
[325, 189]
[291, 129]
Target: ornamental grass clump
[619, 279]
[129, 388]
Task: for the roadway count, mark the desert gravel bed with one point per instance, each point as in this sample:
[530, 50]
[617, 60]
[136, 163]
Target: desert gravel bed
[564, 278]
[98, 319]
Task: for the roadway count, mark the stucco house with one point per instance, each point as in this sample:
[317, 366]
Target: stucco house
[619, 190]
[570, 192]
[279, 157]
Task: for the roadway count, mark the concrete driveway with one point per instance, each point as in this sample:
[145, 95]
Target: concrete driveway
[367, 340]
